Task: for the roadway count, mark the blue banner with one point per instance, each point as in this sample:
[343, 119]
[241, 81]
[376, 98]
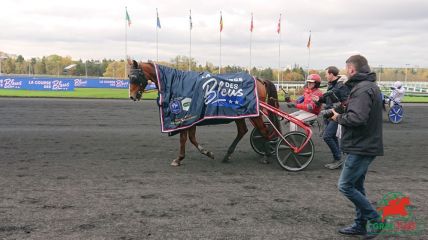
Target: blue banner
[100, 83]
[62, 84]
[28, 83]
[106, 83]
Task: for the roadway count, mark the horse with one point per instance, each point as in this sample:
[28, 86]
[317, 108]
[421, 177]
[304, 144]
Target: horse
[139, 76]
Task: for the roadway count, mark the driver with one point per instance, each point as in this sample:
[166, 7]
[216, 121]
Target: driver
[308, 109]
[397, 93]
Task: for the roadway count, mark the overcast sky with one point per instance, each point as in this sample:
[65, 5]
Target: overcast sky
[388, 33]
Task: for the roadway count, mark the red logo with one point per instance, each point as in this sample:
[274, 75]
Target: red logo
[398, 215]
[395, 207]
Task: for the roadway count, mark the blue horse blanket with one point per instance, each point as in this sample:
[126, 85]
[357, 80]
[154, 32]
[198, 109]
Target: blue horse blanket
[189, 98]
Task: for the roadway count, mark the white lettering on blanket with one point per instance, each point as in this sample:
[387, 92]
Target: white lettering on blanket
[222, 88]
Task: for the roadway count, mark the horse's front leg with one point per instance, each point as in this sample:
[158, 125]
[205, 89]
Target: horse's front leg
[242, 130]
[192, 138]
[183, 138]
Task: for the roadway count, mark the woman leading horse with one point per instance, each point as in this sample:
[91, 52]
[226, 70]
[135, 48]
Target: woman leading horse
[141, 73]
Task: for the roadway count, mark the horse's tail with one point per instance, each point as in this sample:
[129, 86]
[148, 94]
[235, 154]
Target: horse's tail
[272, 100]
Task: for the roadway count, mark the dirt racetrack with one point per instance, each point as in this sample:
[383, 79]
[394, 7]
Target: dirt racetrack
[99, 169]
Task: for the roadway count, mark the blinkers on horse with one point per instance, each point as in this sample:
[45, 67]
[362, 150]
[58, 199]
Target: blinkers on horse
[137, 76]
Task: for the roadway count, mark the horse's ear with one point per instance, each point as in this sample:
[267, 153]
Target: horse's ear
[135, 64]
[129, 61]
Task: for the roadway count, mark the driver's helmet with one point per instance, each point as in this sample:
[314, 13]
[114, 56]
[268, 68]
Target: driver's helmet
[316, 78]
[398, 85]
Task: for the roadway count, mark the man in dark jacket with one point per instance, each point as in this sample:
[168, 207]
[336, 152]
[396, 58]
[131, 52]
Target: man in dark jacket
[362, 141]
[337, 94]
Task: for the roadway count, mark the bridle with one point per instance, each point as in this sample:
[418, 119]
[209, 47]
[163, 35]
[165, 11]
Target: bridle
[137, 76]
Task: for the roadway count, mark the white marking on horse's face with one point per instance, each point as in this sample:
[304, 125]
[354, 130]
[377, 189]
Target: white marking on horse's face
[133, 92]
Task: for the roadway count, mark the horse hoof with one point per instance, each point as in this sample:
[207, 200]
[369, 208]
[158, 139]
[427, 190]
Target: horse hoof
[210, 155]
[226, 160]
[175, 163]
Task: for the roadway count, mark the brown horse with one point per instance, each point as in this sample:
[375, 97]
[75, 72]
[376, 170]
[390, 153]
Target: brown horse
[141, 73]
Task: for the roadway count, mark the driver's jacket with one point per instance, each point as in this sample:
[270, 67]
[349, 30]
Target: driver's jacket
[308, 104]
[397, 94]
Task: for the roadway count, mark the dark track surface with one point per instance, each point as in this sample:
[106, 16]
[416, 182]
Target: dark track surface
[99, 169]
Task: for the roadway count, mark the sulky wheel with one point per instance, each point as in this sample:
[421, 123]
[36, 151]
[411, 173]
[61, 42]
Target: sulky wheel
[257, 140]
[395, 113]
[286, 157]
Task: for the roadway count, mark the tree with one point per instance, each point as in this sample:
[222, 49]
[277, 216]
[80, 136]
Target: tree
[115, 69]
[40, 66]
[267, 73]
[8, 66]
[182, 63]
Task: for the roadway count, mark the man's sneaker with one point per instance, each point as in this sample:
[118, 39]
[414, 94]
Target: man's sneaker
[374, 227]
[328, 164]
[353, 230]
[334, 165]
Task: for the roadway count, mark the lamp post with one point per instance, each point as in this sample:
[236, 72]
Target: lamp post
[405, 77]
[97, 62]
[380, 72]
[86, 69]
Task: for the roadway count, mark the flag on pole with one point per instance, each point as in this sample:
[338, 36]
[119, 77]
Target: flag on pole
[278, 30]
[190, 19]
[221, 22]
[127, 17]
[158, 21]
[252, 24]
[309, 40]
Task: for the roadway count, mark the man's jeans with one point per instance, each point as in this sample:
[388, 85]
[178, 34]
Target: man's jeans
[351, 184]
[330, 138]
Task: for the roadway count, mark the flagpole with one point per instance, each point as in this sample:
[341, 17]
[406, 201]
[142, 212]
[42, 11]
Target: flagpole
[221, 23]
[157, 30]
[279, 47]
[309, 51]
[190, 40]
[126, 41]
[219, 69]
[309, 60]
[251, 41]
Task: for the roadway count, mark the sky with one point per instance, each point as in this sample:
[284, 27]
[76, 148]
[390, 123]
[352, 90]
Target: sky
[387, 33]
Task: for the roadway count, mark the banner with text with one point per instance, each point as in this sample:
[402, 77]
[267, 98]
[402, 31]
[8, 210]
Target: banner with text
[62, 84]
[28, 83]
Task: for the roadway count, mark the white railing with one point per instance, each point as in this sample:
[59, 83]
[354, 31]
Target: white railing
[412, 88]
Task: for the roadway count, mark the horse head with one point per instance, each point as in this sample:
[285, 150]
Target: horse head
[139, 76]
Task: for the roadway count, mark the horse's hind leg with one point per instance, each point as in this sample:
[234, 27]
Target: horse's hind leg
[192, 138]
[183, 138]
[259, 124]
[242, 130]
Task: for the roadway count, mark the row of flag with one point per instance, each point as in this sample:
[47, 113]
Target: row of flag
[158, 24]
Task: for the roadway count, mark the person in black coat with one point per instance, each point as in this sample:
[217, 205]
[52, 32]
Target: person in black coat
[336, 95]
[362, 141]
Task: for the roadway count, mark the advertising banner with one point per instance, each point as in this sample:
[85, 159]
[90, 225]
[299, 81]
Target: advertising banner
[43, 84]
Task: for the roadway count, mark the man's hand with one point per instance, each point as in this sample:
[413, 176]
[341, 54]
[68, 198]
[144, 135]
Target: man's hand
[291, 105]
[335, 114]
